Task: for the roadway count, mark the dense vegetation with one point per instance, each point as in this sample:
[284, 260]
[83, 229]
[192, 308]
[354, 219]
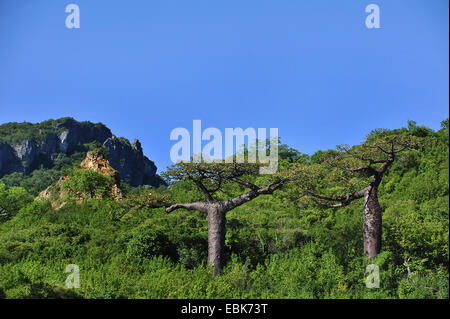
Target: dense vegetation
[277, 246]
[13, 132]
[42, 177]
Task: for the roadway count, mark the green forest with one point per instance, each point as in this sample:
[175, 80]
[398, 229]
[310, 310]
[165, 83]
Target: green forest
[293, 235]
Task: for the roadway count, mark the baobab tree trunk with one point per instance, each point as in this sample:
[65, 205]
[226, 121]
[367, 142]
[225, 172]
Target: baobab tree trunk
[216, 238]
[372, 223]
[216, 211]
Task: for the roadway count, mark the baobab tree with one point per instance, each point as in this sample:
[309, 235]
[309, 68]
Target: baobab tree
[210, 178]
[343, 176]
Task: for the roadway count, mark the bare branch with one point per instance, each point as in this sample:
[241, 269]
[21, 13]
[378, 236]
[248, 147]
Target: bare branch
[384, 151]
[219, 185]
[385, 165]
[245, 183]
[204, 190]
[241, 199]
[200, 206]
[399, 150]
[343, 200]
[269, 189]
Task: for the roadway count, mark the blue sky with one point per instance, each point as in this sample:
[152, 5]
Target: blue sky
[310, 68]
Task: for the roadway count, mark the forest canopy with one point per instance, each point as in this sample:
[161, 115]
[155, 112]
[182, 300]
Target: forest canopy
[286, 244]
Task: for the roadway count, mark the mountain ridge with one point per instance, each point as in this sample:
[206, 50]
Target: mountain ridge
[26, 147]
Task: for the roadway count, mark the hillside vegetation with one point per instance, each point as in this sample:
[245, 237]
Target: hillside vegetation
[277, 246]
[17, 132]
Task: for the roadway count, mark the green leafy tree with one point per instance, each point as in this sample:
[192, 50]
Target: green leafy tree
[147, 244]
[12, 200]
[88, 183]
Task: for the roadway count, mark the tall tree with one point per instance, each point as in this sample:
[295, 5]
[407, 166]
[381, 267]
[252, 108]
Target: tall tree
[339, 177]
[210, 178]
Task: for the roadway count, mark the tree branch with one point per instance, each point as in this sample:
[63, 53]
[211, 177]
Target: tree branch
[385, 165]
[364, 158]
[384, 151]
[204, 190]
[245, 183]
[241, 199]
[200, 206]
[219, 185]
[269, 189]
[344, 200]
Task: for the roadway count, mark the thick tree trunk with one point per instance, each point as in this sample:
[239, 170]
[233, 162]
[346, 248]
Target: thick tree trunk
[372, 223]
[216, 237]
[217, 219]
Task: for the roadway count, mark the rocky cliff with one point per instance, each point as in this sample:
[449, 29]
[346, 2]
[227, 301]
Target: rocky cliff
[25, 147]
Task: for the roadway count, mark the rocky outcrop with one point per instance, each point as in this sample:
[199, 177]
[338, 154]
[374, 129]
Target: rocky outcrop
[56, 193]
[8, 160]
[75, 133]
[26, 151]
[98, 164]
[129, 160]
[68, 136]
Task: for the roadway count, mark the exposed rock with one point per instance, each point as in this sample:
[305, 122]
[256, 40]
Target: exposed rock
[129, 160]
[63, 142]
[50, 145]
[96, 163]
[67, 136]
[56, 193]
[26, 152]
[9, 162]
[76, 133]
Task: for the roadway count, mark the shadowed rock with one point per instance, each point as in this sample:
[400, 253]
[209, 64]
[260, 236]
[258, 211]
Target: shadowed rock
[37, 147]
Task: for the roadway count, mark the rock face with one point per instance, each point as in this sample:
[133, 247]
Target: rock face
[98, 164]
[93, 161]
[75, 133]
[130, 161]
[39, 148]
[8, 160]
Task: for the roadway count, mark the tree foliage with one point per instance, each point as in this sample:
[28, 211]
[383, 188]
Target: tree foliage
[88, 183]
[276, 246]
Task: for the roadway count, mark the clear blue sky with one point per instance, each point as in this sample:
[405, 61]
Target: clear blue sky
[310, 68]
